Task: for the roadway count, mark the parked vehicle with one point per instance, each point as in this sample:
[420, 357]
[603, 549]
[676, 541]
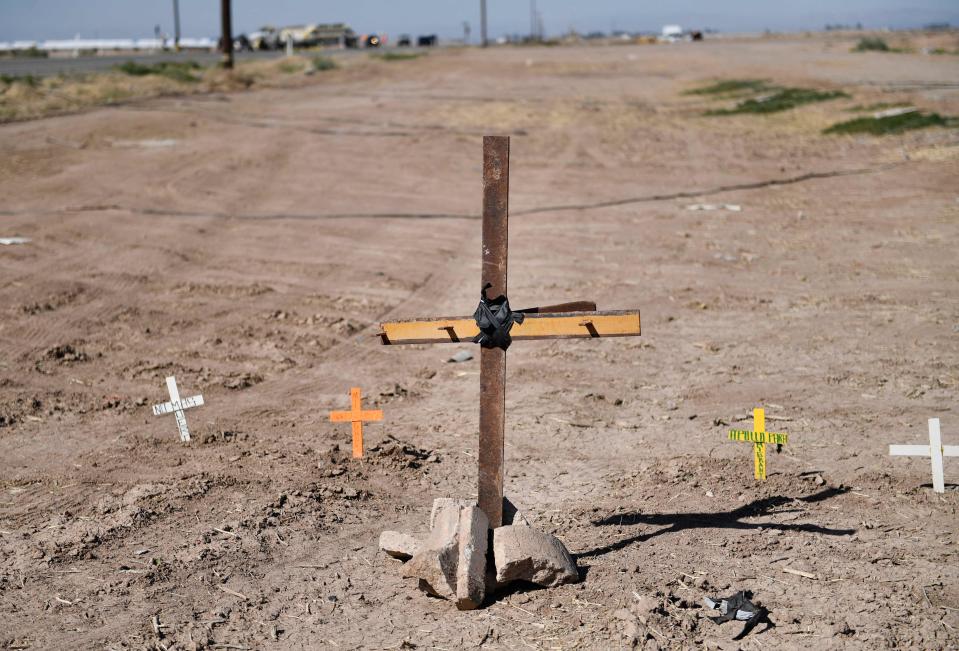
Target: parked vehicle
[242, 44]
[266, 38]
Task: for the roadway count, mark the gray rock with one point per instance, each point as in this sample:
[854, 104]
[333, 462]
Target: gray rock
[399, 545]
[633, 633]
[441, 503]
[435, 562]
[523, 553]
[461, 356]
[512, 515]
[645, 605]
[471, 567]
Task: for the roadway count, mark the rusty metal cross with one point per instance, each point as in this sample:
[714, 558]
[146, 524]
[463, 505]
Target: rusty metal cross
[566, 321]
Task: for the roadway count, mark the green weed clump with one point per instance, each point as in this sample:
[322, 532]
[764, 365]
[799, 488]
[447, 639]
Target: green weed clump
[781, 100]
[323, 63]
[538, 42]
[878, 106]
[175, 70]
[730, 87]
[27, 80]
[398, 56]
[872, 44]
[891, 124]
[32, 52]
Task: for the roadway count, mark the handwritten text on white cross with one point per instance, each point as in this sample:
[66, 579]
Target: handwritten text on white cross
[177, 406]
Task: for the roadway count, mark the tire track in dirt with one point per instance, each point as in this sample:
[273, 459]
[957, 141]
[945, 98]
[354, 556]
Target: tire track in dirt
[104, 287]
[352, 351]
[157, 212]
[40, 331]
[393, 129]
[31, 500]
[611, 203]
[693, 194]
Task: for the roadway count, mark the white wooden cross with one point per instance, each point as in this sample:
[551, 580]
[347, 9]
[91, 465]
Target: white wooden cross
[935, 449]
[177, 406]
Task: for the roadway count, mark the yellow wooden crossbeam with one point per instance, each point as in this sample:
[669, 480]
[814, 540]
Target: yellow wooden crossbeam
[560, 325]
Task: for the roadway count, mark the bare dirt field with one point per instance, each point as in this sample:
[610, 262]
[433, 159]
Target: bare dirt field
[249, 243]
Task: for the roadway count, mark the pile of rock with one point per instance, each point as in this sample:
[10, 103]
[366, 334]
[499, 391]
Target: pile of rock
[455, 563]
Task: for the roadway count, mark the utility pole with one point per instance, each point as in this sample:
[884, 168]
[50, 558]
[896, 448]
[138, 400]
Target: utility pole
[227, 36]
[483, 40]
[176, 25]
[532, 20]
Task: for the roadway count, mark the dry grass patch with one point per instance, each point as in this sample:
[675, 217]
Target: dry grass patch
[29, 97]
[23, 100]
[519, 116]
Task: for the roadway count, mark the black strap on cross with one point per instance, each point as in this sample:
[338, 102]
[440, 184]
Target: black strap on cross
[495, 319]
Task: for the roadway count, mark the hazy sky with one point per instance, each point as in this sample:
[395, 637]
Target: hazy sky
[49, 19]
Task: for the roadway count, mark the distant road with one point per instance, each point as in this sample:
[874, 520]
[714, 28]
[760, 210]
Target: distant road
[68, 65]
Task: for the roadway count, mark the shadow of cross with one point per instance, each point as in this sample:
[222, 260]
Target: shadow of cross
[567, 321]
[675, 522]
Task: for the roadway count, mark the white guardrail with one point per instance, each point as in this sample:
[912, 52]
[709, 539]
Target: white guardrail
[87, 44]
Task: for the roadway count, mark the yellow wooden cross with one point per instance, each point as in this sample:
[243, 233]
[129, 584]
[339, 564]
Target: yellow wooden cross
[356, 415]
[759, 437]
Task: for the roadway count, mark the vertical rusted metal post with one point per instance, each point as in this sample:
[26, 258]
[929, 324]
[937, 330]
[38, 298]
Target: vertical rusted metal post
[226, 23]
[492, 418]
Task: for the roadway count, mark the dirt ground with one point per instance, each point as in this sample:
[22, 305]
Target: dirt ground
[249, 243]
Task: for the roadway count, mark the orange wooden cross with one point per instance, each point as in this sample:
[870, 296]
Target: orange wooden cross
[356, 415]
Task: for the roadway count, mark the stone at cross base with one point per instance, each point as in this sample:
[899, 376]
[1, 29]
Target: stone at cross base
[455, 563]
[526, 554]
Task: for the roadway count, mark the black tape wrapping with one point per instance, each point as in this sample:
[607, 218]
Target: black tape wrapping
[495, 319]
